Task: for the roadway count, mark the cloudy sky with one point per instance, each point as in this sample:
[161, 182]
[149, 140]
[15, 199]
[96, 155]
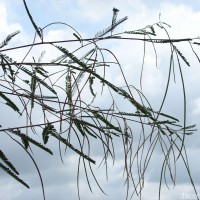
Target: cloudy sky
[89, 17]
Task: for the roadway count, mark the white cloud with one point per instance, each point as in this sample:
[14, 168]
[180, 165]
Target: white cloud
[196, 107]
[183, 20]
[5, 27]
[3, 14]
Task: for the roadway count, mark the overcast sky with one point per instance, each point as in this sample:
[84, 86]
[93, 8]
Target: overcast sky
[89, 17]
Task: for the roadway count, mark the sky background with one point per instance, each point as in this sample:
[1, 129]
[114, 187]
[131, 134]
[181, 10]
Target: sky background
[89, 17]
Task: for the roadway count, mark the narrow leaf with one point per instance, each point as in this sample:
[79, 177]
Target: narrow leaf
[91, 81]
[8, 163]
[18, 133]
[110, 28]
[38, 79]
[10, 103]
[8, 171]
[72, 56]
[106, 122]
[78, 37]
[33, 87]
[38, 30]
[79, 127]
[64, 141]
[181, 55]
[25, 142]
[8, 38]
[48, 130]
